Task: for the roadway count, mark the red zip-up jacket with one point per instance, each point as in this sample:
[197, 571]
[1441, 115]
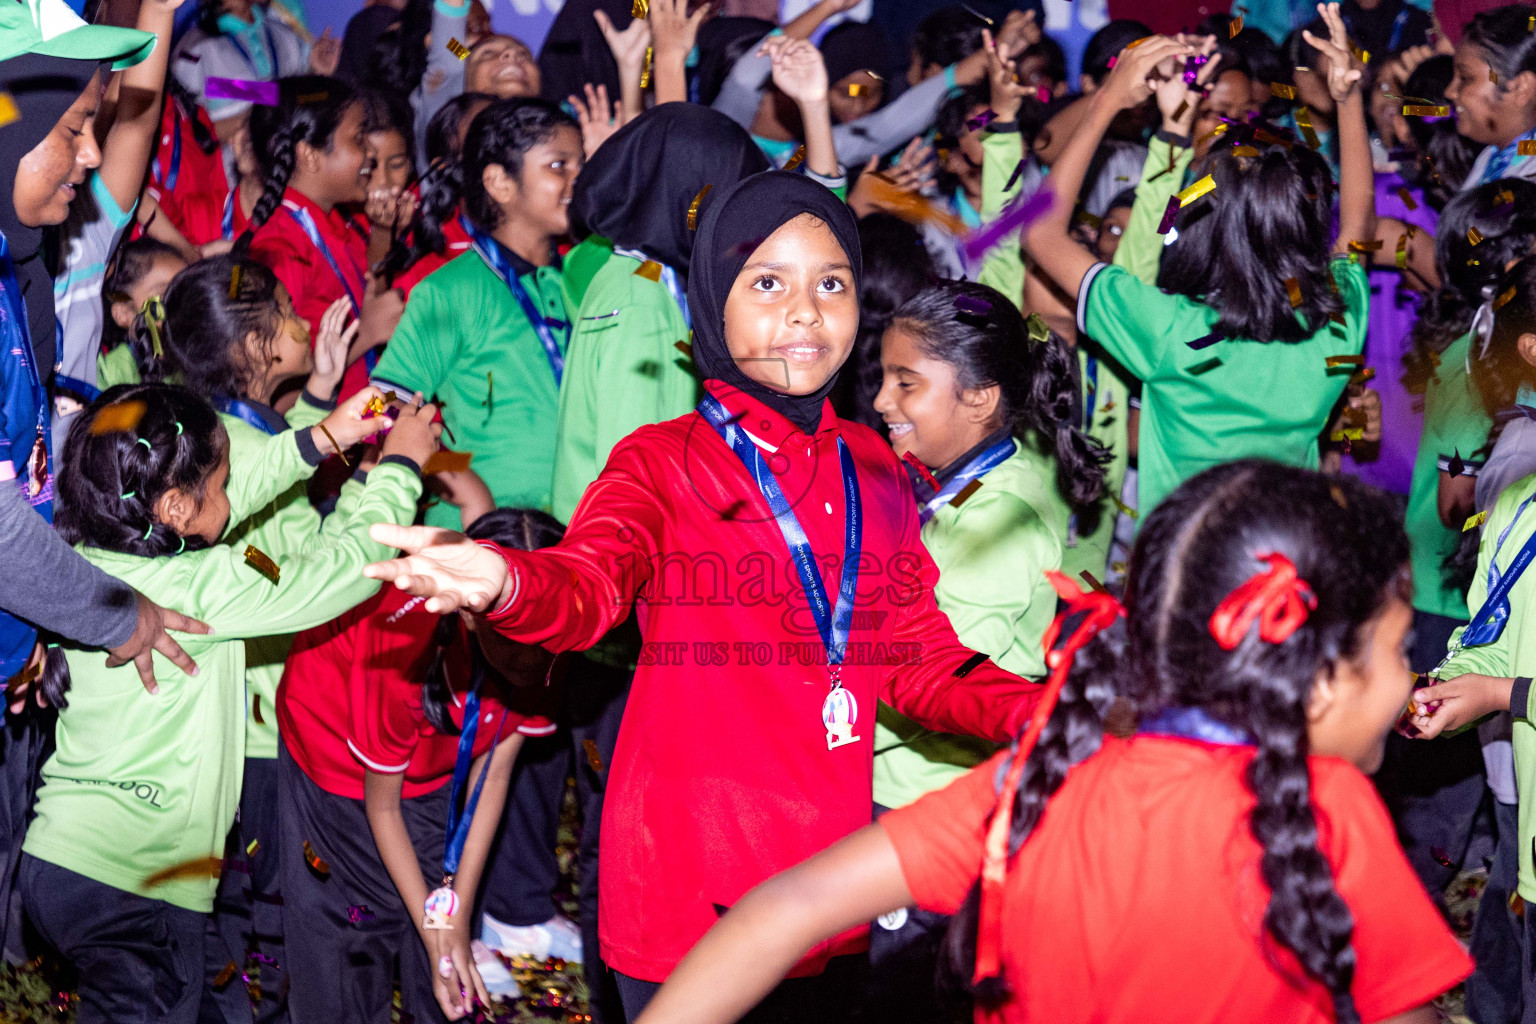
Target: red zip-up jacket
[722, 775]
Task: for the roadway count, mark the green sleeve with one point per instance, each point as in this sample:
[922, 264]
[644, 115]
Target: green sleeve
[1135, 322]
[312, 588]
[1494, 659]
[261, 467]
[306, 414]
[422, 350]
[1003, 268]
[1142, 247]
[641, 378]
[117, 367]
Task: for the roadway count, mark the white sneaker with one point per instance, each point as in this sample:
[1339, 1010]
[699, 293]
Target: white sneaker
[559, 937]
[498, 980]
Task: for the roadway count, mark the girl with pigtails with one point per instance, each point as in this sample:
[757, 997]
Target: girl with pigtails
[1185, 830]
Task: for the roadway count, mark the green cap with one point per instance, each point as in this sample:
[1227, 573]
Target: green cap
[50, 28]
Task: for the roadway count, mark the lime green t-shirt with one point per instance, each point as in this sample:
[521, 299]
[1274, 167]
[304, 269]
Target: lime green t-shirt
[143, 783]
[992, 552]
[1234, 399]
[465, 343]
[117, 367]
[1455, 423]
[624, 371]
[581, 265]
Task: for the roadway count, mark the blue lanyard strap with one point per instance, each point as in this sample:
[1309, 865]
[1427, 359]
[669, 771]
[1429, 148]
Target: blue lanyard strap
[1501, 160]
[1493, 616]
[1194, 724]
[975, 469]
[227, 221]
[459, 823]
[669, 280]
[307, 224]
[832, 623]
[241, 411]
[1091, 392]
[495, 257]
[168, 180]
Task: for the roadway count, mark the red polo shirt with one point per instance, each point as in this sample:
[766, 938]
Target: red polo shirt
[722, 775]
[350, 699]
[181, 173]
[1139, 897]
[310, 278]
[456, 243]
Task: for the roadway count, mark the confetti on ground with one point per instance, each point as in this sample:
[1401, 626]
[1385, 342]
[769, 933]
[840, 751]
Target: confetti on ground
[117, 418]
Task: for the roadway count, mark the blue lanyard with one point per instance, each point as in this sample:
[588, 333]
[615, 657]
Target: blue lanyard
[1500, 162]
[669, 280]
[832, 623]
[1091, 393]
[495, 257]
[1195, 724]
[307, 223]
[227, 221]
[1493, 616]
[241, 410]
[168, 181]
[459, 823]
[16, 336]
[978, 467]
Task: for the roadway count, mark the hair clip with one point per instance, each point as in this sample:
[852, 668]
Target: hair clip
[149, 529]
[1278, 597]
[126, 496]
[143, 442]
[153, 312]
[1039, 330]
[178, 428]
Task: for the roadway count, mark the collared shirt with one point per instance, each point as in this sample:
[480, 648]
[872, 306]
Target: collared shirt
[182, 177]
[455, 244]
[722, 774]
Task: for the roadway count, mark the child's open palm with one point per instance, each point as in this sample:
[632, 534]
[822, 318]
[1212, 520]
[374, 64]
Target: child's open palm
[1007, 92]
[798, 70]
[1343, 74]
[628, 46]
[331, 346]
[673, 28]
[451, 571]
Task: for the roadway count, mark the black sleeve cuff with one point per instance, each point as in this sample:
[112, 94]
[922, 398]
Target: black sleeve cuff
[1181, 141]
[1520, 696]
[1003, 127]
[307, 449]
[401, 460]
[326, 405]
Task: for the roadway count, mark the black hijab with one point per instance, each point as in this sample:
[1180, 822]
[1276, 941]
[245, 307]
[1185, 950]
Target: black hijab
[43, 88]
[636, 189]
[730, 230]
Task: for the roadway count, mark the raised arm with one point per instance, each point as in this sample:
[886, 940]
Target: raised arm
[1357, 193]
[801, 74]
[131, 140]
[628, 48]
[673, 30]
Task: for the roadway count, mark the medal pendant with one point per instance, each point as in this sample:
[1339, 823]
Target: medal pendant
[839, 713]
[442, 903]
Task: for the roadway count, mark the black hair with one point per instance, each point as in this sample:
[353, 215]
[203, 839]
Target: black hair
[54, 681]
[1125, 198]
[1499, 371]
[1040, 392]
[1268, 221]
[387, 112]
[1050, 52]
[1444, 156]
[1302, 54]
[1505, 37]
[1201, 543]
[520, 529]
[501, 134]
[1106, 44]
[722, 42]
[205, 329]
[949, 122]
[1469, 274]
[947, 36]
[897, 265]
[109, 482]
[208, 12]
[398, 59]
[439, 190]
[129, 264]
[309, 110]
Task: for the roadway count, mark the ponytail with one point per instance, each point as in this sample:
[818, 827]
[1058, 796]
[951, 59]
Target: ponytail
[308, 110]
[984, 337]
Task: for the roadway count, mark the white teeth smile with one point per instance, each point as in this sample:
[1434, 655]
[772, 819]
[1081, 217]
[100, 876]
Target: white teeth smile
[898, 429]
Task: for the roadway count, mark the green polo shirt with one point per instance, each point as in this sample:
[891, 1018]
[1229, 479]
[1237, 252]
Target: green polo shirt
[142, 783]
[581, 265]
[464, 342]
[624, 371]
[1455, 423]
[1512, 654]
[992, 552]
[1234, 399]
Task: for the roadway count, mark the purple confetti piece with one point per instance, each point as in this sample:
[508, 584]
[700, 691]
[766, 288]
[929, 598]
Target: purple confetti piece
[1016, 217]
[1192, 67]
[1169, 214]
[972, 306]
[981, 120]
[1205, 342]
[1018, 172]
[264, 93]
[359, 914]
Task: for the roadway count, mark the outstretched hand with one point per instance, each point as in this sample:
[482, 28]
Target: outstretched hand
[149, 635]
[1343, 73]
[451, 571]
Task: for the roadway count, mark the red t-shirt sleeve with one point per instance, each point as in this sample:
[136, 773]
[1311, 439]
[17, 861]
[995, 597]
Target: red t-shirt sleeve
[384, 693]
[1396, 925]
[939, 838]
[293, 268]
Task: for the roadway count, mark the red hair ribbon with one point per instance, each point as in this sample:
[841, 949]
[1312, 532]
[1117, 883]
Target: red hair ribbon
[1102, 609]
[1279, 598]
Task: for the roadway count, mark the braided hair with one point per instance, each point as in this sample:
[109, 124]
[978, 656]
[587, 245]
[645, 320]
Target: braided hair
[309, 109]
[1040, 390]
[109, 482]
[1200, 544]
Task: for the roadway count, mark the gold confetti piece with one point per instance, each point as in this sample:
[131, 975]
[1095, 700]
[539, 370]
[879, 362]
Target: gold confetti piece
[1293, 289]
[312, 858]
[1084, 217]
[1504, 298]
[1503, 197]
[1402, 251]
[593, 757]
[641, 9]
[1526, 147]
[256, 710]
[339, 453]
[8, 111]
[1244, 151]
[202, 867]
[1473, 522]
[1333, 361]
[1360, 377]
[1183, 109]
[1363, 56]
[1119, 567]
[225, 975]
[1235, 27]
[252, 847]
[234, 281]
[117, 418]
[1195, 191]
[650, 270]
[1354, 434]
[911, 206]
[1368, 245]
[854, 88]
[1304, 122]
[1517, 905]
[1474, 236]
[446, 461]
[1123, 508]
[796, 159]
[458, 49]
[1493, 76]
[1282, 91]
[1092, 581]
[1415, 110]
[645, 73]
[321, 97]
[1338, 497]
[965, 493]
[1136, 42]
[258, 560]
[685, 348]
[693, 208]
